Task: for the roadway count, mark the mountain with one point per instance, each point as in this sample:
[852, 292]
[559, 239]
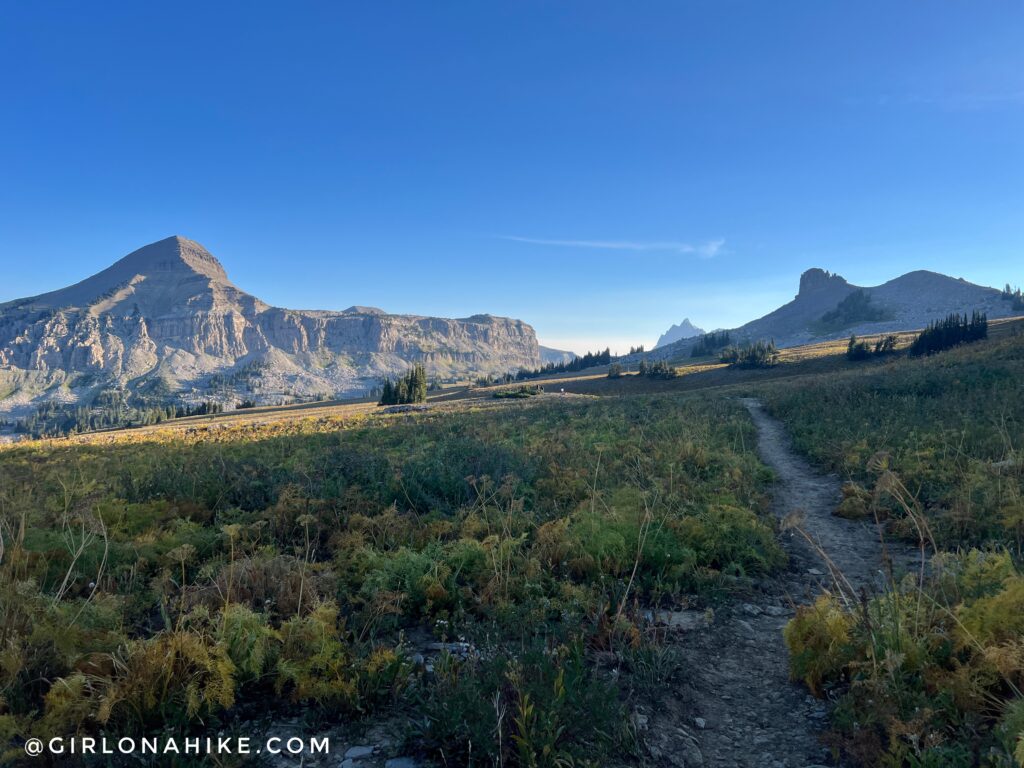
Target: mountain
[684, 330]
[556, 356]
[826, 306]
[165, 321]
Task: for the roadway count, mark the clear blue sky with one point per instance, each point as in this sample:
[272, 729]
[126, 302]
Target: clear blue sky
[598, 169]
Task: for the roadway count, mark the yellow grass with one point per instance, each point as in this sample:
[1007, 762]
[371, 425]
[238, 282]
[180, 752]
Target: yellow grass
[821, 358]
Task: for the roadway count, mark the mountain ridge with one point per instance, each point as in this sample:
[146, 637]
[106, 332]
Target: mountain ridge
[683, 330]
[818, 311]
[169, 313]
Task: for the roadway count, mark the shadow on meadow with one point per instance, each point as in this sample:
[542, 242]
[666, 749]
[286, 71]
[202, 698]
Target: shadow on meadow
[171, 585]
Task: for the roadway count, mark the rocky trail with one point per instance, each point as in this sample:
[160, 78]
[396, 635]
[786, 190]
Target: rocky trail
[739, 707]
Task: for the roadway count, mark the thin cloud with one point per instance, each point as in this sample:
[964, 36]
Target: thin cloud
[972, 100]
[706, 250]
[952, 100]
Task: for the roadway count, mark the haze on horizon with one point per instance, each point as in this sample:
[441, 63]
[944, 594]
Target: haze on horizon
[598, 170]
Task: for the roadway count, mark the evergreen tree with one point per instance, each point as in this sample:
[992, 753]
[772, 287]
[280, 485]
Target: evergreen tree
[760, 354]
[589, 360]
[857, 350]
[710, 343]
[953, 330]
[410, 388]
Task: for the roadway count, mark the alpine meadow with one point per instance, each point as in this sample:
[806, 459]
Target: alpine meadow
[691, 436]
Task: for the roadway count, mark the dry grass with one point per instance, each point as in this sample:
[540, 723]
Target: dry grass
[810, 360]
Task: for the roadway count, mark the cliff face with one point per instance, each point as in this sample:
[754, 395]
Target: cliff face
[168, 312]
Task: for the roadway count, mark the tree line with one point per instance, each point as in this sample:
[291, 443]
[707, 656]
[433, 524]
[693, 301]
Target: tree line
[108, 410]
[578, 363]
[710, 343]
[953, 330]
[1015, 297]
[760, 354]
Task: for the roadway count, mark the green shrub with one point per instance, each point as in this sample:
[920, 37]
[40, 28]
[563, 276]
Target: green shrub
[281, 567]
[538, 707]
[925, 674]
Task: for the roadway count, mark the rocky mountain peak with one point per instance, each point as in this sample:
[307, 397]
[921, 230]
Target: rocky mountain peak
[166, 318]
[171, 271]
[815, 279]
[684, 330]
[173, 254]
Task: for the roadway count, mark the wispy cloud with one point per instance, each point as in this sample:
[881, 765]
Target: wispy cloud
[951, 100]
[705, 250]
[971, 100]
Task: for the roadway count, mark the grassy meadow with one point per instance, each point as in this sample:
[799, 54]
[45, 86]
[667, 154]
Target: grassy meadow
[311, 561]
[182, 580]
[930, 672]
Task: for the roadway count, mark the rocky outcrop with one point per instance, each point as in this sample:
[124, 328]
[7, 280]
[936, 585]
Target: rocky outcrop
[818, 311]
[816, 280]
[168, 311]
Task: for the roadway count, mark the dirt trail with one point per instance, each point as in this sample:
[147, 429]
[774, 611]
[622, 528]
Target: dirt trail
[739, 708]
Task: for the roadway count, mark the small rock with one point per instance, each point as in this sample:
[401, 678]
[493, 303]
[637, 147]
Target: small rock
[815, 572]
[357, 753]
[404, 408]
[692, 756]
[462, 650]
[684, 620]
[775, 610]
[701, 722]
[401, 762]
[751, 610]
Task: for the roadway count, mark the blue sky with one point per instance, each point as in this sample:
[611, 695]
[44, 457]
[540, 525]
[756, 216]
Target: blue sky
[601, 170]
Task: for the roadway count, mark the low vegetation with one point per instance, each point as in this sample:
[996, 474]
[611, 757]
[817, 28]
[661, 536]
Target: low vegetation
[948, 425]
[928, 672]
[183, 581]
[520, 392]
